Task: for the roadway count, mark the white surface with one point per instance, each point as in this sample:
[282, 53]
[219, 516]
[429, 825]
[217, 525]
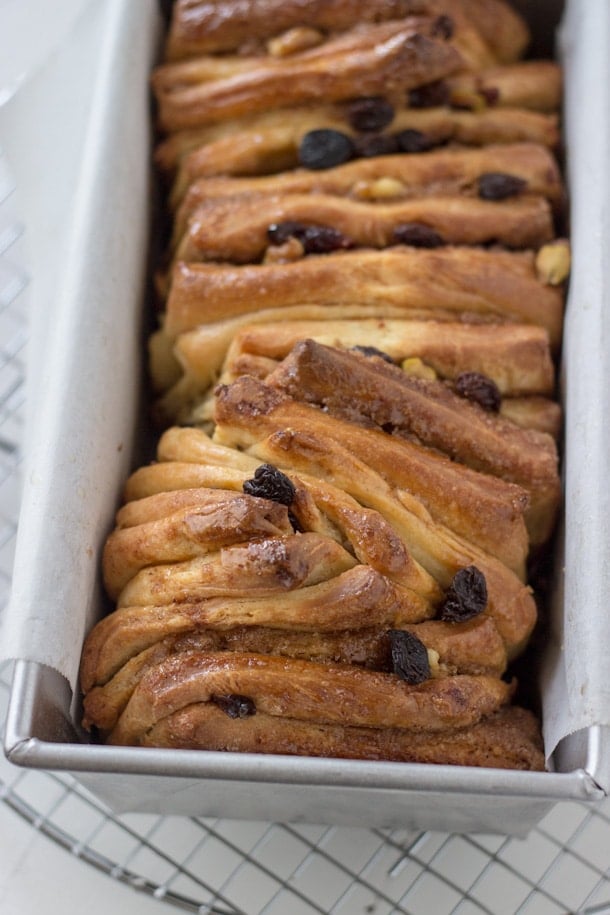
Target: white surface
[29, 36]
[42, 128]
[38, 877]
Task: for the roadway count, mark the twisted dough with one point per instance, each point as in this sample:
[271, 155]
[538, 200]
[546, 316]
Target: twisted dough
[384, 58]
[509, 738]
[214, 519]
[365, 391]
[318, 507]
[235, 229]
[473, 647]
[249, 411]
[445, 283]
[307, 691]
[438, 173]
[515, 356]
[199, 27]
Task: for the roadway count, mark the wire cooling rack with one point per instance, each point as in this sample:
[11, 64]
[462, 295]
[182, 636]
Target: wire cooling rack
[252, 868]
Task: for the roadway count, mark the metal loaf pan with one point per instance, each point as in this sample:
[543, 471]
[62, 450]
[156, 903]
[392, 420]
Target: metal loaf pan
[41, 729]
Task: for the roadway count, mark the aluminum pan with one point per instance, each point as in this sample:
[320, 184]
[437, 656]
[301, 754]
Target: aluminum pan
[40, 733]
[297, 789]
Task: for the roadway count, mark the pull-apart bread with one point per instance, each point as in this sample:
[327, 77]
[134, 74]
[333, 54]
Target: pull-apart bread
[361, 303]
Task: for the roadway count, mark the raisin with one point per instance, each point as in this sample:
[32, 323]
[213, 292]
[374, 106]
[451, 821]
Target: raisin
[413, 141]
[373, 351]
[370, 114]
[409, 656]
[480, 389]
[377, 144]
[417, 235]
[270, 483]
[443, 27]
[235, 706]
[323, 239]
[499, 186]
[490, 94]
[466, 597]
[325, 148]
[315, 239]
[432, 95]
[279, 233]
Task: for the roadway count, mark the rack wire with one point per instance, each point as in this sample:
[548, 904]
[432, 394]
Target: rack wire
[230, 867]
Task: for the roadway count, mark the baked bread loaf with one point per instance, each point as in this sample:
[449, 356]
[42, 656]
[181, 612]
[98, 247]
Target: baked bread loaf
[361, 304]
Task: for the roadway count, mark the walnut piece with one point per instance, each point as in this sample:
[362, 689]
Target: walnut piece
[553, 262]
[293, 41]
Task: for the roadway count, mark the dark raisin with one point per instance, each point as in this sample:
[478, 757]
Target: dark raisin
[466, 596]
[376, 144]
[432, 95]
[370, 114]
[413, 141]
[480, 389]
[315, 239]
[235, 706]
[417, 235]
[270, 483]
[279, 233]
[490, 94]
[325, 148]
[409, 656]
[373, 351]
[443, 27]
[323, 239]
[499, 186]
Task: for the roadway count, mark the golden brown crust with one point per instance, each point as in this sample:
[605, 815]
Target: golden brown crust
[534, 85]
[504, 30]
[538, 413]
[371, 60]
[483, 509]
[515, 356]
[260, 145]
[442, 554]
[509, 739]
[236, 229]
[444, 172]
[307, 691]
[215, 519]
[270, 143]
[318, 507]
[473, 648]
[198, 27]
[529, 412]
[353, 598]
[296, 48]
[444, 283]
[369, 390]
[263, 566]
[438, 550]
